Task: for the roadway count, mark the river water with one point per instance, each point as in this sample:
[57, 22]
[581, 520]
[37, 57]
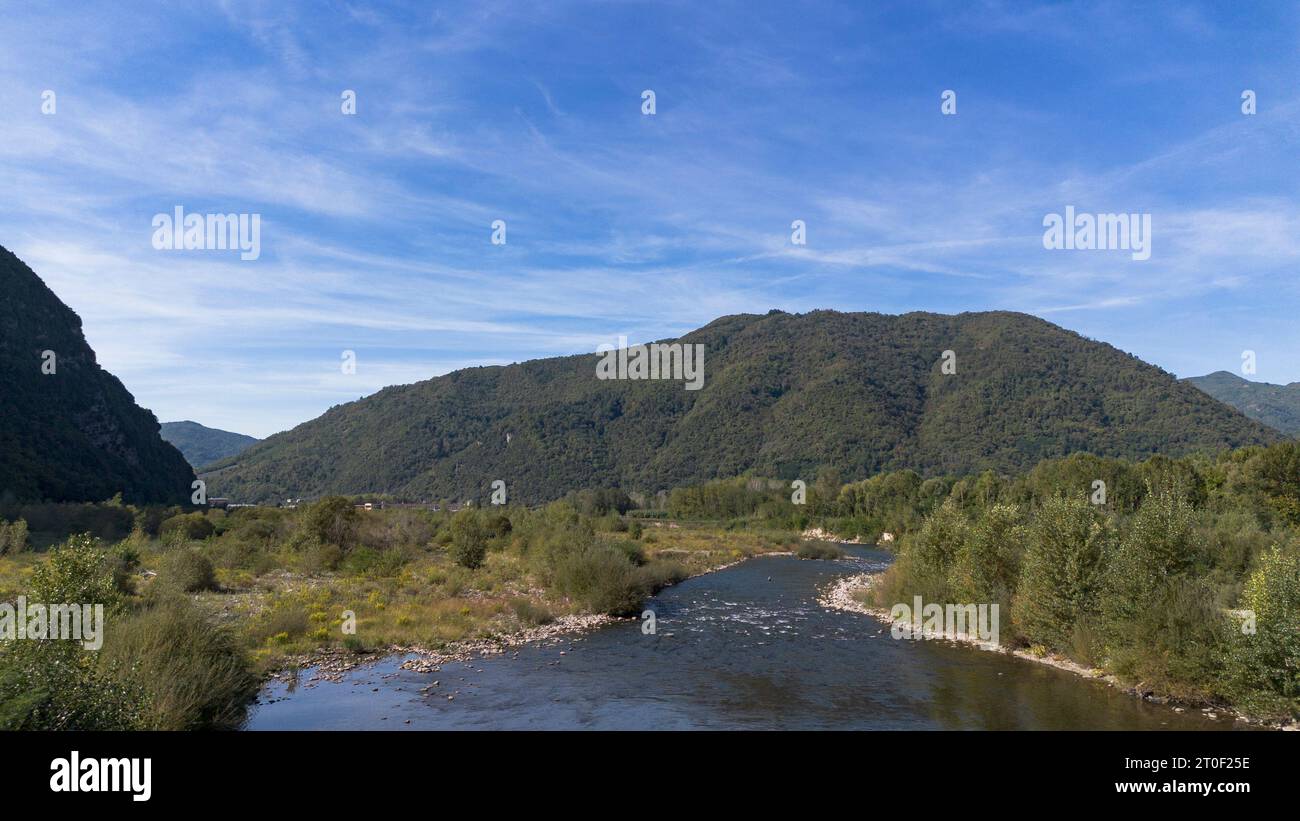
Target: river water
[747, 647]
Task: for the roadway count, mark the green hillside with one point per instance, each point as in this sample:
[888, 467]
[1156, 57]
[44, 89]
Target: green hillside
[201, 445]
[784, 395]
[1277, 406]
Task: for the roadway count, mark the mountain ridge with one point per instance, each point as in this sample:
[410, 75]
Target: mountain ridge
[1277, 406]
[784, 395]
[69, 430]
[202, 445]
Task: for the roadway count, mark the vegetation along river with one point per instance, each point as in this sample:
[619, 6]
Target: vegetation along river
[746, 647]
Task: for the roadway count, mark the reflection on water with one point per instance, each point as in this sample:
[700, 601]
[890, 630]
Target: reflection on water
[747, 647]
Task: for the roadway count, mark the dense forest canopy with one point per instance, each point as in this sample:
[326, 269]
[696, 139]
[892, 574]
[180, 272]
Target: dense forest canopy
[784, 395]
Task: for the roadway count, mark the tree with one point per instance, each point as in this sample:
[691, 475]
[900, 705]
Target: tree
[1158, 544]
[1263, 668]
[468, 539]
[987, 565]
[1062, 571]
[332, 520]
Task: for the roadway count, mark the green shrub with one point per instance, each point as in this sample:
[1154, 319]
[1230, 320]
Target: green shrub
[365, 561]
[319, 557]
[286, 618]
[819, 550]
[531, 613]
[632, 551]
[499, 526]
[1173, 642]
[987, 565]
[658, 574]
[58, 685]
[468, 539]
[76, 572]
[1156, 545]
[333, 520]
[1263, 669]
[13, 537]
[192, 672]
[602, 579]
[187, 571]
[193, 526]
[926, 556]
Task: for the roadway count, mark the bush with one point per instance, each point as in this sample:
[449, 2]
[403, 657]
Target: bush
[333, 520]
[193, 526]
[987, 565]
[499, 526]
[819, 550]
[287, 618]
[925, 557]
[657, 575]
[632, 551]
[192, 673]
[187, 571]
[319, 557]
[57, 685]
[77, 572]
[602, 579]
[468, 540]
[1173, 642]
[365, 561]
[13, 537]
[530, 613]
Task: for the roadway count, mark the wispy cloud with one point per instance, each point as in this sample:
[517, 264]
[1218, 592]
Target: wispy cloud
[376, 227]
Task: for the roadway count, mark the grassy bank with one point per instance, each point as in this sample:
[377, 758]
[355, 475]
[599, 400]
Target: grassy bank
[210, 603]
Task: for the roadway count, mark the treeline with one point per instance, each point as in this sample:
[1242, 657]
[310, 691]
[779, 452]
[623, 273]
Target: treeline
[1183, 579]
[1263, 481]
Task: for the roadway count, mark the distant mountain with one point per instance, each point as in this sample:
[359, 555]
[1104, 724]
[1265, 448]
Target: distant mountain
[203, 445]
[784, 394]
[1277, 406]
[69, 430]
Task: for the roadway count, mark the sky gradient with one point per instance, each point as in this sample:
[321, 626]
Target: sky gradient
[376, 227]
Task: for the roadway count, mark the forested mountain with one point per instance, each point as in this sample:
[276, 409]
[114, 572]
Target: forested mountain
[784, 395]
[202, 445]
[69, 430]
[1277, 406]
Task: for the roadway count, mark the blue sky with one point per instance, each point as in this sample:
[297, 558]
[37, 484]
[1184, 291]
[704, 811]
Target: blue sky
[376, 227]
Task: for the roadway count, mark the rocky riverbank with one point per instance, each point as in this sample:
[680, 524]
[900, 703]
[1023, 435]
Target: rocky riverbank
[330, 664]
[820, 535]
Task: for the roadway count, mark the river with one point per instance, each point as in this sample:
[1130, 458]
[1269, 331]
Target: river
[747, 647]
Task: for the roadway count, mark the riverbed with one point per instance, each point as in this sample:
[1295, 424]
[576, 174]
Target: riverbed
[747, 647]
